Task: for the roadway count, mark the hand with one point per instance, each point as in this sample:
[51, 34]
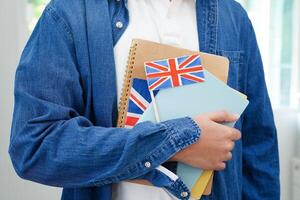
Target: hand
[215, 144]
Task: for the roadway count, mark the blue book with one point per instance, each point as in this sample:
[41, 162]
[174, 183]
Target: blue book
[191, 100]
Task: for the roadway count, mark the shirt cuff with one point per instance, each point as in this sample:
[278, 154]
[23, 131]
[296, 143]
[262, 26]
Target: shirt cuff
[183, 132]
[180, 133]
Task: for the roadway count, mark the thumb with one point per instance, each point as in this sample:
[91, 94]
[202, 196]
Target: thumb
[223, 116]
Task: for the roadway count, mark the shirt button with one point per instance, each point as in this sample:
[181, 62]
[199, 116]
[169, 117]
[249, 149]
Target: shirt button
[184, 194]
[147, 164]
[119, 24]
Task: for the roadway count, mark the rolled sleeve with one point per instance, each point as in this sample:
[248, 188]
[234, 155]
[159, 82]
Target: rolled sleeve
[179, 134]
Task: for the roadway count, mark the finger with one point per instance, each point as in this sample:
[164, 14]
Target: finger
[230, 133]
[229, 146]
[221, 166]
[228, 156]
[222, 116]
[235, 134]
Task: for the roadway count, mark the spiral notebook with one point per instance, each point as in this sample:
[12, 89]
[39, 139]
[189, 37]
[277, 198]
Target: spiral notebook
[142, 51]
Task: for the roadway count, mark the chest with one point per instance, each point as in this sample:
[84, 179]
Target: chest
[108, 43]
[173, 23]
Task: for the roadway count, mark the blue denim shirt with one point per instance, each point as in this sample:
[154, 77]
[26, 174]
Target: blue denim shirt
[63, 131]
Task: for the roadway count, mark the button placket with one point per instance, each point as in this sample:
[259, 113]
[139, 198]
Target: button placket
[170, 35]
[119, 24]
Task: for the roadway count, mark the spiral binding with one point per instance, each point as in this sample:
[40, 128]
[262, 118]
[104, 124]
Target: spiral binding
[126, 85]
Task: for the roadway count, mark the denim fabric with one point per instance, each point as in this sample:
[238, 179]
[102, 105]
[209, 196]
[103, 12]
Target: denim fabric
[65, 106]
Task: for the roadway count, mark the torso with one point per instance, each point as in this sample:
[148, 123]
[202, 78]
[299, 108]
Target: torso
[169, 22]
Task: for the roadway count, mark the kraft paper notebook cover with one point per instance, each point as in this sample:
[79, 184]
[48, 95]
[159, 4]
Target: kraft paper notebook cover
[141, 51]
[191, 100]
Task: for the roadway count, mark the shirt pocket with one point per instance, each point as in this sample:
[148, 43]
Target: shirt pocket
[237, 71]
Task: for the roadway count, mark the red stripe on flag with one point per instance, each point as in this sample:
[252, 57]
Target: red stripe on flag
[138, 102]
[156, 66]
[174, 72]
[153, 86]
[196, 79]
[158, 74]
[181, 71]
[131, 121]
[190, 69]
[187, 61]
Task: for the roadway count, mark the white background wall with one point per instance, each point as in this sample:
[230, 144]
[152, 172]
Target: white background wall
[288, 137]
[12, 38]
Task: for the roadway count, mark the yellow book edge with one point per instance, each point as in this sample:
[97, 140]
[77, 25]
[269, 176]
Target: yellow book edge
[200, 185]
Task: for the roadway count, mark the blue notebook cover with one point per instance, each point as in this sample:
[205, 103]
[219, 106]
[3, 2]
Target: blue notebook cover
[191, 100]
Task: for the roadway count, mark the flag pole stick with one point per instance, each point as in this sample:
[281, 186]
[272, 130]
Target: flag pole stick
[154, 106]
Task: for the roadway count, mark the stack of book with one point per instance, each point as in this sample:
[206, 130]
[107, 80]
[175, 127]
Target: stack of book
[163, 82]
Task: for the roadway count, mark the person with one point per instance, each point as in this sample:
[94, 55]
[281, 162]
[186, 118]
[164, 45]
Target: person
[68, 82]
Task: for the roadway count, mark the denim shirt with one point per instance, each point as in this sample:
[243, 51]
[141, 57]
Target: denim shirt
[63, 132]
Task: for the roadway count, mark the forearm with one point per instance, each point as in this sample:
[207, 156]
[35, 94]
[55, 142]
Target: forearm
[74, 153]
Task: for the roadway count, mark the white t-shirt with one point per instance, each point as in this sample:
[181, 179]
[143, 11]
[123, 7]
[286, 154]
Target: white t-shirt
[170, 22]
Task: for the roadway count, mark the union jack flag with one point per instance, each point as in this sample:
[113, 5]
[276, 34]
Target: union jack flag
[139, 100]
[174, 72]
